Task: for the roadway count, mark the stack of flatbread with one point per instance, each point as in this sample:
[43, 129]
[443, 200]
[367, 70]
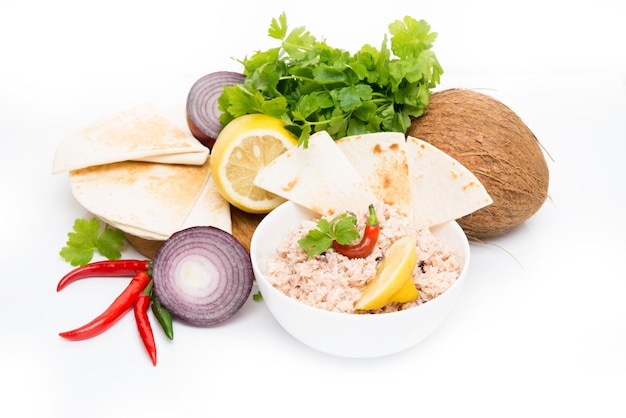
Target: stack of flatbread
[140, 172]
[419, 180]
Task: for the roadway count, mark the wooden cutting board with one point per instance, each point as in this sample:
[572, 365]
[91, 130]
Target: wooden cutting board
[243, 225]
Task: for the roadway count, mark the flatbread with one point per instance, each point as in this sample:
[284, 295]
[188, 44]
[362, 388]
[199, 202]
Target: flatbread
[418, 179]
[442, 189]
[381, 160]
[151, 200]
[210, 209]
[319, 177]
[138, 134]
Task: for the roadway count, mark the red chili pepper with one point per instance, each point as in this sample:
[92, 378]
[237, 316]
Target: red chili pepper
[122, 304]
[142, 303]
[106, 268]
[368, 241]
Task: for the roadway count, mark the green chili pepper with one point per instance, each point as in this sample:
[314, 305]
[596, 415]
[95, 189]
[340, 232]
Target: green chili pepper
[163, 316]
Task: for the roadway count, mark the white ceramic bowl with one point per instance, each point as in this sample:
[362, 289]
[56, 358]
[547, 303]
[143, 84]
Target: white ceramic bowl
[341, 334]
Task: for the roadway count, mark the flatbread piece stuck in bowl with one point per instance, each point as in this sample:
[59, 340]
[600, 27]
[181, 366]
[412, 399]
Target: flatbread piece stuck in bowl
[381, 160]
[319, 177]
[417, 179]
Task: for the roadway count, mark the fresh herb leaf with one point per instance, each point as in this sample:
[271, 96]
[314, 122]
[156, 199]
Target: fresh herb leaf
[87, 237]
[313, 86]
[278, 28]
[341, 228]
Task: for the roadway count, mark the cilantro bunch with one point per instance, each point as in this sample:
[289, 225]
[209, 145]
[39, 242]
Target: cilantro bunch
[313, 86]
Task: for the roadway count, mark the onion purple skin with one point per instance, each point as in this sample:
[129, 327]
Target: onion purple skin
[203, 114]
[223, 286]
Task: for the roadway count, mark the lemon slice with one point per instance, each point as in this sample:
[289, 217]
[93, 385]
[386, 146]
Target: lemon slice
[246, 145]
[393, 278]
[407, 293]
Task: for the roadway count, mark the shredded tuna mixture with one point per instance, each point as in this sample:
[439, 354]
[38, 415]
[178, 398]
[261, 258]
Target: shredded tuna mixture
[334, 282]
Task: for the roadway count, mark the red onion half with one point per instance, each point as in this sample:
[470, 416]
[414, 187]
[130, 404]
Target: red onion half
[203, 115]
[202, 275]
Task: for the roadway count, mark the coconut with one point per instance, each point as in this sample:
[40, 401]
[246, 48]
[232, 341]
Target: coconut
[492, 141]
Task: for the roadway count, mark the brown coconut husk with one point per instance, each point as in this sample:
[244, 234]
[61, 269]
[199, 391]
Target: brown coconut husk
[494, 143]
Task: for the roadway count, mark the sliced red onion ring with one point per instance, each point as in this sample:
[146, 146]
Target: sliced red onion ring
[202, 275]
[203, 115]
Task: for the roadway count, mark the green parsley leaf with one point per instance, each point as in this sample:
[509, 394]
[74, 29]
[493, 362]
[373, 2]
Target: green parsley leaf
[342, 228]
[349, 98]
[313, 86]
[410, 38]
[110, 242]
[278, 28]
[298, 42]
[87, 237]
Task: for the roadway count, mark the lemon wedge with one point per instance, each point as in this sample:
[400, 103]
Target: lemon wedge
[407, 293]
[393, 281]
[243, 147]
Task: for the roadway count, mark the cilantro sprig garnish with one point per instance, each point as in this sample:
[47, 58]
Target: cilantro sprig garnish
[313, 86]
[89, 236]
[341, 228]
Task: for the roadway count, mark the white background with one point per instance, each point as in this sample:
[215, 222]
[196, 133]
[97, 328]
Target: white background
[541, 326]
